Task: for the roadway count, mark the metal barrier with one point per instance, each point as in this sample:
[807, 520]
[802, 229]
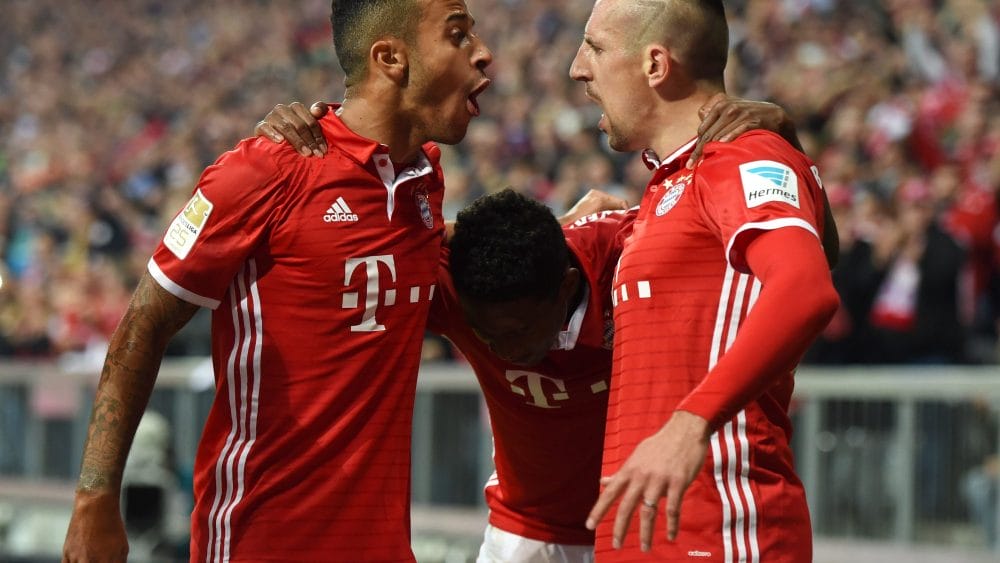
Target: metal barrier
[883, 452]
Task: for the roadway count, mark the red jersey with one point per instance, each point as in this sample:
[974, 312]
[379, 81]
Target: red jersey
[548, 419]
[681, 294]
[320, 272]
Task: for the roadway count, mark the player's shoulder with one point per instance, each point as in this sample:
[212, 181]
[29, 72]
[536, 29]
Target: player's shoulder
[594, 227]
[755, 145]
[592, 238]
[260, 158]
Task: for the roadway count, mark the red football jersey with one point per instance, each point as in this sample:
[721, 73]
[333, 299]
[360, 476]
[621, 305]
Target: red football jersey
[681, 293]
[548, 419]
[320, 272]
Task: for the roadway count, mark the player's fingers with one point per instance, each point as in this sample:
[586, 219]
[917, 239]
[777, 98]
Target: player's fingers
[287, 121]
[647, 518]
[318, 110]
[736, 129]
[612, 488]
[716, 118]
[265, 129]
[624, 515]
[711, 104]
[675, 492]
[310, 130]
[727, 118]
[319, 149]
[699, 147]
[614, 202]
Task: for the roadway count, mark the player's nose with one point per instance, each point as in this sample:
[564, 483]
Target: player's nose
[483, 57]
[577, 69]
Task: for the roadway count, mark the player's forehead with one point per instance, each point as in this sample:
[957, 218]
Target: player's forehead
[608, 21]
[436, 14]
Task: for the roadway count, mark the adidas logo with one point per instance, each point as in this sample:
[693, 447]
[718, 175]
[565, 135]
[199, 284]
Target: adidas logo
[340, 212]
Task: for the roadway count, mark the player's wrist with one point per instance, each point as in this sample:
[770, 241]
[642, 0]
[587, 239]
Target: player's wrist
[691, 425]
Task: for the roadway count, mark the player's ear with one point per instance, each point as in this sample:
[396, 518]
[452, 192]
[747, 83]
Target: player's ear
[389, 58]
[656, 64]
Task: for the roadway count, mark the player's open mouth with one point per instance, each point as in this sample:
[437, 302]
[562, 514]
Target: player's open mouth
[472, 104]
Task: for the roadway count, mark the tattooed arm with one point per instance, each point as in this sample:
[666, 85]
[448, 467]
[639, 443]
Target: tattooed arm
[96, 531]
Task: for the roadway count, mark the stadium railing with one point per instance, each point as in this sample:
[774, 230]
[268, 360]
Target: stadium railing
[888, 455]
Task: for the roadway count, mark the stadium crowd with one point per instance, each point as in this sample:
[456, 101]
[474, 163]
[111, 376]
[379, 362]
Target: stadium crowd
[109, 111]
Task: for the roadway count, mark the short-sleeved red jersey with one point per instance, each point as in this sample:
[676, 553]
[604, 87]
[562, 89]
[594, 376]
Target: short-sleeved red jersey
[548, 419]
[320, 272]
[681, 294]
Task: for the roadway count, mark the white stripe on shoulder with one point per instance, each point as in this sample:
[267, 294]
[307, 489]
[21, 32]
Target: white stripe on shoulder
[772, 225]
[178, 291]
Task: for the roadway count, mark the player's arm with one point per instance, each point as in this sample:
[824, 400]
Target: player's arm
[785, 319]
[724, 118]
[96, 531]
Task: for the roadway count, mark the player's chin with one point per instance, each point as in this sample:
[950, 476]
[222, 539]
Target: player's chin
[454, 130]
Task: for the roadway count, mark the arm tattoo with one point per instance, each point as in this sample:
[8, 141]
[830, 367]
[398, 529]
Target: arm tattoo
[134, 356]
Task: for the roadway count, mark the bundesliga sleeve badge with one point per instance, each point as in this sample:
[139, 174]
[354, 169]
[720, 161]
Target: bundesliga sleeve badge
[184, 231]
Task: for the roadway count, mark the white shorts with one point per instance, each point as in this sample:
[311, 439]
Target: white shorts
[504, 547]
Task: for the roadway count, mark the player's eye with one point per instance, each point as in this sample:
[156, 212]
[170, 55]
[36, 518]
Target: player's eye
[458, 35]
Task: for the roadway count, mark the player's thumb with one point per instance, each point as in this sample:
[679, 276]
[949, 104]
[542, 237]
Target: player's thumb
[319, 109]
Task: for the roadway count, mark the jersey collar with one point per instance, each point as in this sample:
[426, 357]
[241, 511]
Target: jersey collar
[362, 149]
[567, 338]
[652, 161]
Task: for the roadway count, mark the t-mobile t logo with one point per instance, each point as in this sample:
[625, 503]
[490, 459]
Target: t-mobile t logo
[372, 289]
[536, 393]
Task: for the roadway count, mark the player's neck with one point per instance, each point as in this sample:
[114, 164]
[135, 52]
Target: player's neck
[678, 122]
[680, 125]
[374, 121]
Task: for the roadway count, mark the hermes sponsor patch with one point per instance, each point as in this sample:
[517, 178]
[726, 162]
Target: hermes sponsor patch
[767, 181]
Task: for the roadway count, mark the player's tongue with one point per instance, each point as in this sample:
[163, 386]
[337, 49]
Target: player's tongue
[472, 105]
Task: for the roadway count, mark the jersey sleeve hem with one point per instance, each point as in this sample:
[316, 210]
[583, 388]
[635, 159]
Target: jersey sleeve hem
[178, 291]
[773, 224]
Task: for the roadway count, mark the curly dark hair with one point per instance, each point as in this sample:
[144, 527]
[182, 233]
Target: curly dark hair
[359, 23]
[507, 246]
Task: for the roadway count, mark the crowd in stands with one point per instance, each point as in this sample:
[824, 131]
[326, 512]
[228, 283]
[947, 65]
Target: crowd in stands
[109, 111]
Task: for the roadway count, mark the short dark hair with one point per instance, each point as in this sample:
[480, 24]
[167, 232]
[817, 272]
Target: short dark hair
[706, 41]
[507, 246]
[696, 31]
[357, 24]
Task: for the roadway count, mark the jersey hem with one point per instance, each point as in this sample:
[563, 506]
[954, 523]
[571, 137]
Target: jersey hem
[178, 291]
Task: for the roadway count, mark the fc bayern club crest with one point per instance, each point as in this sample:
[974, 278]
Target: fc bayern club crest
[424, 205]
[670, 199]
